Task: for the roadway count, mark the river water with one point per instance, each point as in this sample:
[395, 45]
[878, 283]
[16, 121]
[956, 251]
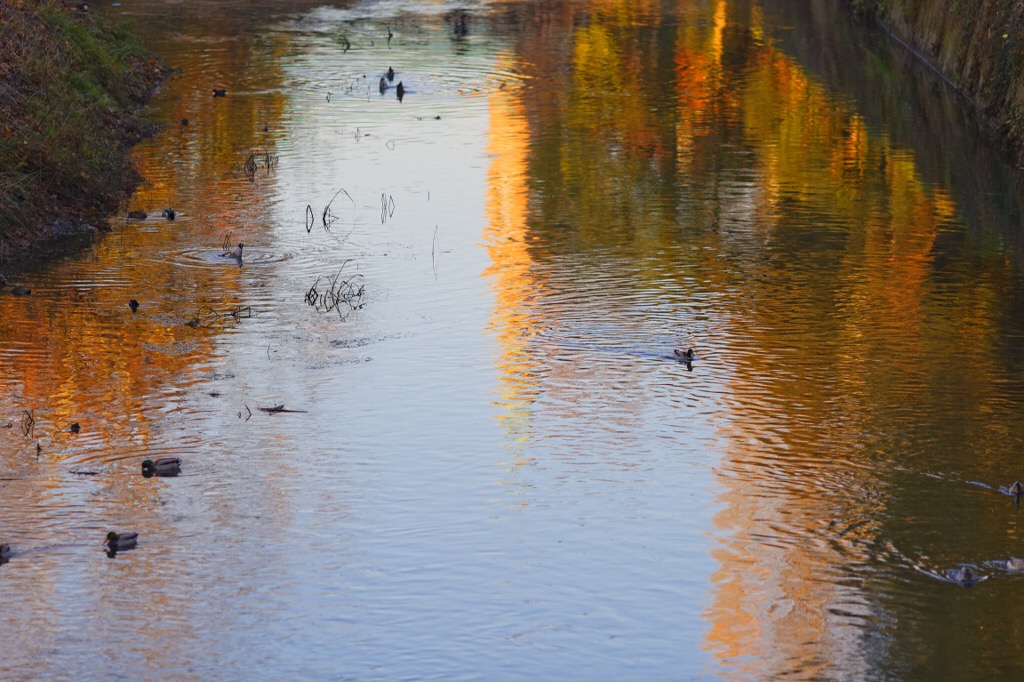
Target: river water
[492, 466]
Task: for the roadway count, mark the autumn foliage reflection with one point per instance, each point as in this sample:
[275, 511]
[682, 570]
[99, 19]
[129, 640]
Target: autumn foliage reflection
[690, 146]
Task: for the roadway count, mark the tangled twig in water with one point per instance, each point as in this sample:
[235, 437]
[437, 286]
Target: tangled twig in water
[335, 293]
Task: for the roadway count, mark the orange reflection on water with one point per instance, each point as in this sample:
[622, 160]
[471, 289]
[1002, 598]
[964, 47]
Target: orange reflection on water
[778, 606]
[506, 236]
[817, 170]
[73, 352]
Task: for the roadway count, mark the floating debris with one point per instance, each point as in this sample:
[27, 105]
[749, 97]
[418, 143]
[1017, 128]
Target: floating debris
[276, 409]
[348, 292]
[387, 207]
[27, 422]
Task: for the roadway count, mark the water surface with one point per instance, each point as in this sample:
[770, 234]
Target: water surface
[495, 467]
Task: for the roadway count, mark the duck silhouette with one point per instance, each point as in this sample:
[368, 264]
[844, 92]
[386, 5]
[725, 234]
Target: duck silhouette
[236, 253]
[119, 542]
[400, 91]
[220, 93]
[965, 577]
[133, 304]
[390, 74]
[164, 466]
[686, 356]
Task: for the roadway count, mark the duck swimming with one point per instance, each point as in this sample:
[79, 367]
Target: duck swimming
[400, 91]
[1015, 563]
[165, 466]
[5, 550]
[119, 542]
[168, 213]
[390, 74]
[133, 304]
[383, 85]
[1016, 489]
[236, 253]
[966, 577]
[686, 356]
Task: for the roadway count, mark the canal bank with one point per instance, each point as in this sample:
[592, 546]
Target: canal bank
[978, 48]
[72, 85]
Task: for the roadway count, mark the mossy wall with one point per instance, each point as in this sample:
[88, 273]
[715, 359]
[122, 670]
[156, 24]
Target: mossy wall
[977, 44]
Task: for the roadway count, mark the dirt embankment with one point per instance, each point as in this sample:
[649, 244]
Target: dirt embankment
[978, 46]
[71, 86]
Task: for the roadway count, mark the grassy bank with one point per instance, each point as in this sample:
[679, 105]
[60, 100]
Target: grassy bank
[71, 85]
[978, 46]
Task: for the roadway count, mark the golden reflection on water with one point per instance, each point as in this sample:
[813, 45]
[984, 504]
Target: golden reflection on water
[779, 604]
[506, 237]
[73, 351]
[720, 171]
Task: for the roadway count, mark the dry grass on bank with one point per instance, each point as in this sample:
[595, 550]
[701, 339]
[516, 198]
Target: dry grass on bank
[70, 88]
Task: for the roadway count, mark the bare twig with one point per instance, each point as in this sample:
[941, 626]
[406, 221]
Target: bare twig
[28, 422]
[387, 207]
[433, 252]
[197, 320]
[250, 167]
[277, 409]
[328, 217]
[239, 312]
[338, 292]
